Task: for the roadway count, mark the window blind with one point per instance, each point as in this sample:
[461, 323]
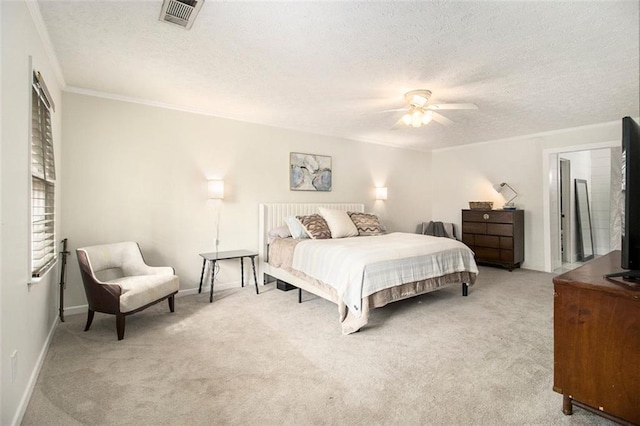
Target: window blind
[43, 176]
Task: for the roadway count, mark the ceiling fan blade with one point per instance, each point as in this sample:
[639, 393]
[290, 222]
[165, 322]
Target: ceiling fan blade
[439, 118]
[437, 107]
[398, 124]
[392, 110]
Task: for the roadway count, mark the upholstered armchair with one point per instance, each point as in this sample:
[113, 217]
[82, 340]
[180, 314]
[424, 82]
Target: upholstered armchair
[118, 281]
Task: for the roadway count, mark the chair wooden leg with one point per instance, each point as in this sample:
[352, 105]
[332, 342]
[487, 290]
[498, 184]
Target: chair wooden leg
[172, 303]
[89, 319]
[120, 326]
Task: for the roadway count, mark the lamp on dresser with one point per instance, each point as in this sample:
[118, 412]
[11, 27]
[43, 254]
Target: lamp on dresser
[500, 187]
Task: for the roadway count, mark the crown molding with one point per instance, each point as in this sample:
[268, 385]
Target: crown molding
[36, 16]
[531, 135]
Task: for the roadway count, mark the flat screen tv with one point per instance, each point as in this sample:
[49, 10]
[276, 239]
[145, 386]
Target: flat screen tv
[631, 199]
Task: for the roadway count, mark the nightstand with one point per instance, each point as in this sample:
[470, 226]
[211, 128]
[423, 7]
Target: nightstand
[227, 255]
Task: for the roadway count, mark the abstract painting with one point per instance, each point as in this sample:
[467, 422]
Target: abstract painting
[309, 172]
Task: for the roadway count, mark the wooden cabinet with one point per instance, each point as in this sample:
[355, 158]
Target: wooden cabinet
[495, 236]
[597, 341]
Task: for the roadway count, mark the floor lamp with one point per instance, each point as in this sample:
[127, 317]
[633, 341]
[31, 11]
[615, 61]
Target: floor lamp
[215, 189]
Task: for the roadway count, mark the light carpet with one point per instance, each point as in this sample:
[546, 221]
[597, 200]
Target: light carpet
[436, 359]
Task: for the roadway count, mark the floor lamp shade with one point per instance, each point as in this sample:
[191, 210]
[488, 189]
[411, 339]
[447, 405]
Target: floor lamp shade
[215, 189]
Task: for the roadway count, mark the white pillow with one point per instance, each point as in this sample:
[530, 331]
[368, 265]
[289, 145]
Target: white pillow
[339, 223]
[278, 233]
[295, 227]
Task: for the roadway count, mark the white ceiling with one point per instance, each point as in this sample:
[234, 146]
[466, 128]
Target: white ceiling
[332, 67]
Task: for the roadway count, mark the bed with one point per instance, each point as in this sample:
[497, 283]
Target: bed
[360, 273]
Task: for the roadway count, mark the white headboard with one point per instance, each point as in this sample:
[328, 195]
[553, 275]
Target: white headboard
[272, 216]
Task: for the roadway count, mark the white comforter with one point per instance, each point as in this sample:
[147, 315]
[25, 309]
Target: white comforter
[360, 266]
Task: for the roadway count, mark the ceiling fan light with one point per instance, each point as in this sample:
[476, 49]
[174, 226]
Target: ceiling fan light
[427, 117]
[406, 119]
[416, 119]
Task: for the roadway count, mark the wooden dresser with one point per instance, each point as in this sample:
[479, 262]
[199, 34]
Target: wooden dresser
[596, 339]
[495, 236]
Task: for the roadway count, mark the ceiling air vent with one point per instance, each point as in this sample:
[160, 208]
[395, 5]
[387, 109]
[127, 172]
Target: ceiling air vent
[180, 12]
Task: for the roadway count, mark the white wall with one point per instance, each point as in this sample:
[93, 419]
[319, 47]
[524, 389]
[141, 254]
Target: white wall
[136, 172]
[600, 198]
[27, 312]
[466, 173]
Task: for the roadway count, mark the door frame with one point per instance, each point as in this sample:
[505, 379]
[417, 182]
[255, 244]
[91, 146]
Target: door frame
[547, 163]
[566, 255]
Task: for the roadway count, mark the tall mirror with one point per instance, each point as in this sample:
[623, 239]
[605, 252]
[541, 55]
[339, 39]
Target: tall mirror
[585, 236]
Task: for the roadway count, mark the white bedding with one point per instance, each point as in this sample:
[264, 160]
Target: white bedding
[360, 266]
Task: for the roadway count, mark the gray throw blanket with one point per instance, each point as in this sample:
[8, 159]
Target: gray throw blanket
[436, 229]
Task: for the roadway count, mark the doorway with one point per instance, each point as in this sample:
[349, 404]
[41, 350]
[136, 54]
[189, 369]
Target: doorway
[599, 167]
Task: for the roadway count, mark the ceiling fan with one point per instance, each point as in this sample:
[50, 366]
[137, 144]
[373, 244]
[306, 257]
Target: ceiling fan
[420, 112]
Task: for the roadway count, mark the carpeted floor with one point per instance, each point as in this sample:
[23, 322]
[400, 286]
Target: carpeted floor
[437, 359]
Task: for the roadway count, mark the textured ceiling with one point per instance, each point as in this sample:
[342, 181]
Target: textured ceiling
[333, 67]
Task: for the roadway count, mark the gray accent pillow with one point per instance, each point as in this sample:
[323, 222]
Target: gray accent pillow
[316, 226]
[367, 224]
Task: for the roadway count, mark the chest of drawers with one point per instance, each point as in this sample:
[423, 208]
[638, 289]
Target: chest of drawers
[596, 343]
[495, 236]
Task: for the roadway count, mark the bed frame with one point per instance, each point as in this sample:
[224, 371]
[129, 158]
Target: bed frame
[272, 216]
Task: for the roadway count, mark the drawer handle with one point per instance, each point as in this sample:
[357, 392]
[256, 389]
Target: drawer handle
[485, 216]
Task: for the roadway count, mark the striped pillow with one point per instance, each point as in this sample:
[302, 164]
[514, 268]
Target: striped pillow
[316, 226]
[367, 224]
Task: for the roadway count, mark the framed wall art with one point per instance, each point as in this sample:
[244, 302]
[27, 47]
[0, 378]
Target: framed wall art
[309, 172]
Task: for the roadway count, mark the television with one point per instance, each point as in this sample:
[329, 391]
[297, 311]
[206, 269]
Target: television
[631, 199]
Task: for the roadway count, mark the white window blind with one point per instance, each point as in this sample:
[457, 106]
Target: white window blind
[43, 176]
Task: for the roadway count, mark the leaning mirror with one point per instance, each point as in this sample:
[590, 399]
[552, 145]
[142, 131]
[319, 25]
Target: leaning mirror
[583, 215]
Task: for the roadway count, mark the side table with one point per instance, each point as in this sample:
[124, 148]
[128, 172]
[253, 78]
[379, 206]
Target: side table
[227, 255]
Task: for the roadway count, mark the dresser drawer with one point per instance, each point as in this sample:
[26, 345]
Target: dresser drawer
[500, 229]
[468, 239]
[506, 255]
[491, 216]
[487, 241]
[506, 243]
[474, 228]
[485, 253]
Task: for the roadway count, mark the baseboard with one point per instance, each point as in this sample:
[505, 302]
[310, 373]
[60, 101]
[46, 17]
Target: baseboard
[75, 310]
[26, 397]
[82, 309]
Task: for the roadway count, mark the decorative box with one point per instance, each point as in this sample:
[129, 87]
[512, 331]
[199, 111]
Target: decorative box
[480, 205]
